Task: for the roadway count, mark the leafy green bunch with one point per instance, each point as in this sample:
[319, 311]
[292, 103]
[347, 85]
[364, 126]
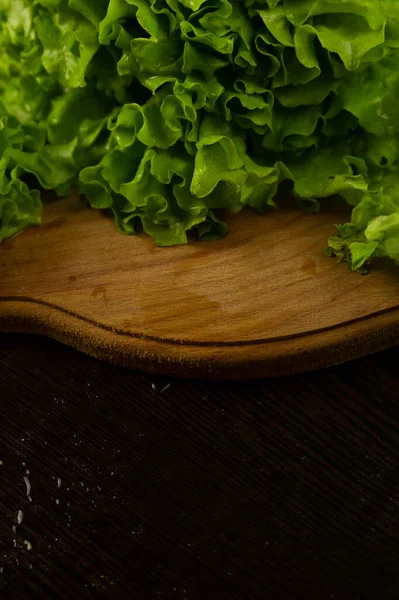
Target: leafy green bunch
[165, 111]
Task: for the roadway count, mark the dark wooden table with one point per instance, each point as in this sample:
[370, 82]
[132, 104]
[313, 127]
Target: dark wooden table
[134, 486]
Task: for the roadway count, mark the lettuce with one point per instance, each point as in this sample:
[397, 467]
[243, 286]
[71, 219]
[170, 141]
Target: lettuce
[163, 112]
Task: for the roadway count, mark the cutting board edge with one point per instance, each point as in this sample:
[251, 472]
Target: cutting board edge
[220, 362]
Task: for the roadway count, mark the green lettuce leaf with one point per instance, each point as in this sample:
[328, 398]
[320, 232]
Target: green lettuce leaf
[165, 112]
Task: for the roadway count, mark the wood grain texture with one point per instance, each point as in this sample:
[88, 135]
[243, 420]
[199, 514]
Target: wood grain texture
[280, 489]
[263, 301]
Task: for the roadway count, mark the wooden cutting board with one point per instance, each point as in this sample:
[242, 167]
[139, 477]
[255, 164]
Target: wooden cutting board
[263, 301]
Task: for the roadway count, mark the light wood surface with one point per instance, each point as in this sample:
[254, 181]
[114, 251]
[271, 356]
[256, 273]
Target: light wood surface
[263, 301]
